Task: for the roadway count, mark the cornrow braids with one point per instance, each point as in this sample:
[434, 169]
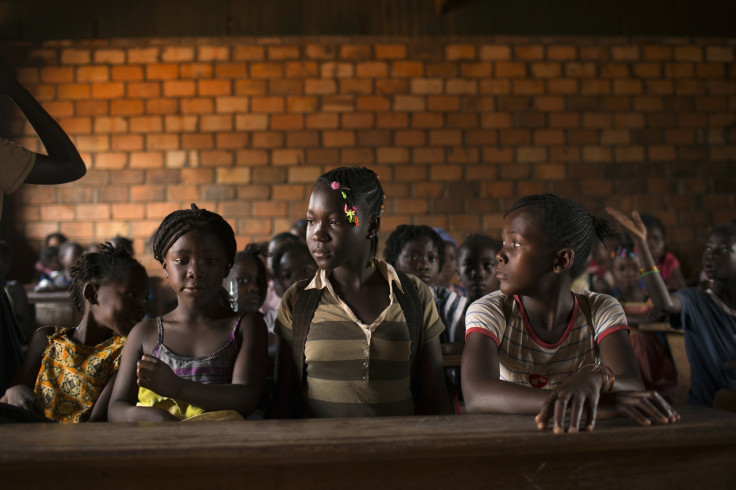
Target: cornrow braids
[478, 240]
[181, 222]
[566, 224]
[363, 194]
[106, 265]
[406, 233]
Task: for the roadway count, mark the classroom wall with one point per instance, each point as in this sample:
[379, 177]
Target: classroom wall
[457, 129]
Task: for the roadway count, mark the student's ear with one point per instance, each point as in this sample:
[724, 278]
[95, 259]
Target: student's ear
[89, 292]
[374, 225]
[563, 260]
[164, 268]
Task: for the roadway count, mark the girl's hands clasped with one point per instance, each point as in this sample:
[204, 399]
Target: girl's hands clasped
[157, 376]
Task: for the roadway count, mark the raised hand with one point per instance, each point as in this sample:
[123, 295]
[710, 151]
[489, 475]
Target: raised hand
[634, 225]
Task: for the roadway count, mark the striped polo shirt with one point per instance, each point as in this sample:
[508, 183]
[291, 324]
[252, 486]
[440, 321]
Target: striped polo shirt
[525, 359]
[354, 369]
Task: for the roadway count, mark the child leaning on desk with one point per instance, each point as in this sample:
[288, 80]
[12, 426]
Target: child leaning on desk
[535, 347]
[707, 316]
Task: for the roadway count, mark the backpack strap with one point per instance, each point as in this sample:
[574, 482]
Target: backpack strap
[414, 314]
[304, 308]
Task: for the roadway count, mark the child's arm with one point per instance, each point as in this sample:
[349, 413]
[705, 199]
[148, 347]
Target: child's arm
[99, 409]
[656, 287]
[435, 399]
[483, 391]
[249, 375]
[22, 394]
[122, 407]
[63, 163]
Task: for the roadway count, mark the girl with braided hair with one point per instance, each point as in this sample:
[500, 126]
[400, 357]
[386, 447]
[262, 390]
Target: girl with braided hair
[358, 349]
[202, 356]
[68, 374]
[535, 347]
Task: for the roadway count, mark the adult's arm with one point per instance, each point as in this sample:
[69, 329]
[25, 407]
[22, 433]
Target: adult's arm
[62, 162]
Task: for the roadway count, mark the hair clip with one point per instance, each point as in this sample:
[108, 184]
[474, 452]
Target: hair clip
[351, 213]
[623, 252]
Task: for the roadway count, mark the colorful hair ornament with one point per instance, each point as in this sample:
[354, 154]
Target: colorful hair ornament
[350, 212]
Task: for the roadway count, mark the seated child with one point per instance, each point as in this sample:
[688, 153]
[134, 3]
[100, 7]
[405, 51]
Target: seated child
[250, 276]
[707, 316]
[447, 277]
[535, 347]
[656, 367]
[419, 250]
[67, 375]
[477, 266]
[666, 262]
[292, 262]
[202, 356]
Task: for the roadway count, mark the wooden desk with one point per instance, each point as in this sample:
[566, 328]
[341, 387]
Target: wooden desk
[462, 451]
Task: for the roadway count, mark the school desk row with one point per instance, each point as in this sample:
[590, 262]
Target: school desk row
[462, 451]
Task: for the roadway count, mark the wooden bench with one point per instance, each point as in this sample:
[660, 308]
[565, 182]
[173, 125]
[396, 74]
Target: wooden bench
[462, 451]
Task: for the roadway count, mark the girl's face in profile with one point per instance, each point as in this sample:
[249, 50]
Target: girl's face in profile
[420, 258]
[477, 270]
[120, 304]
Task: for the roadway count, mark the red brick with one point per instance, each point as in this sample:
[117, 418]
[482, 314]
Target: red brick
[301, 104]
[724, 54]
[531, 52]
[147, 89]
[355, 86]
[495, 52]
[146, 160]
[546, 69]
[358, 120]
[460, 52]
[127, 73]
[373, 103]
[109, 56]
[197, 141]
[320, 51]
[162, 142]
[441, 70]
[656, 52]
[179, 88]
[458, 86]
[197, 106]
[301, 69]
[75, 57]
[688, 53]
[429, 155]
[510, 69]
[74, 91]
[287, 121]
[162, 106]
[57, 74]
[268, 139]
[213, 53]
[527, 87]
[250, 87]
[146, 124]
[390, 51]
[267, 70]
[407, 69]
[495, 87]
[76, 125]
[338, 138]
[204, 88]
[337, 70]
[560, 86]
[252, 157]
[320, 87]
[410, 138]
[248, 53]
[392, 86]
[285, 87]
[679, 70]
[282, 52]
[267, 104]
[371, 69]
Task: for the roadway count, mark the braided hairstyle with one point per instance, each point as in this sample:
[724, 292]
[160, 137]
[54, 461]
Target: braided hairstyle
[181, 222]
[362, 190]
[566, 224]
[106, 265]
[406, 233]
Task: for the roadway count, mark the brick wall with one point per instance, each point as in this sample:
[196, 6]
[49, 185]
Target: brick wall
[456, 128]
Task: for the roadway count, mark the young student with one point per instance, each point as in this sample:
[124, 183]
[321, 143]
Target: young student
[19, 165]
[359, 339]
[202, 356]
[292, 262]
[68, 373]
[656, 367]
[666, 262]
[476, 267]
[447, 277]
[707, 316]
[535, 333]
[273, 296]
[419, 250]
[251, 278]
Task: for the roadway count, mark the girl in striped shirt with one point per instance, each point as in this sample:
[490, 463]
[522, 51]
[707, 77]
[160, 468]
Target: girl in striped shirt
[535, 347]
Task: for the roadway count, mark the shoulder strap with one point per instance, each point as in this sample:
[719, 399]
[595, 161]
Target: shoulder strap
[304, 308]
[414, 314]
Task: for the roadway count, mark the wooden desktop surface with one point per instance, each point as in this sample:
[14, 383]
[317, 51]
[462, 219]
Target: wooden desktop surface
[461, 451]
